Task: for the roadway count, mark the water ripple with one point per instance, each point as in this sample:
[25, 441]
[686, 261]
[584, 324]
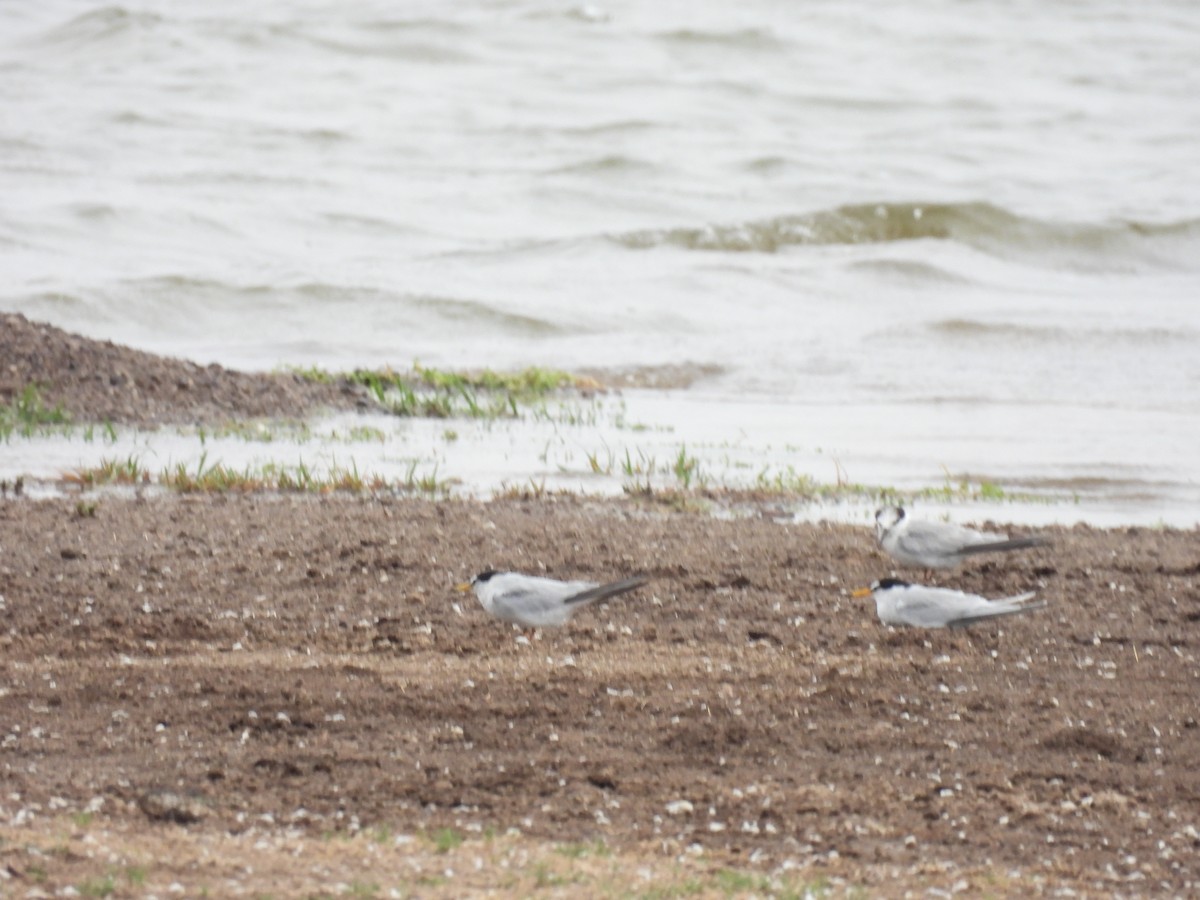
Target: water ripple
[1096, 246]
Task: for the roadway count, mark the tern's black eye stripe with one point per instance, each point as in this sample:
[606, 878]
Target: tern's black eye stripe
[886, 583]
[484, 576]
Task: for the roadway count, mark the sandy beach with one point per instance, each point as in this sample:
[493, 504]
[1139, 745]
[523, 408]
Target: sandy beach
[249, 694]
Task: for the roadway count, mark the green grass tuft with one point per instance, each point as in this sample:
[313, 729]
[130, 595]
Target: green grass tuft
[579, 851]
[315, 374]
[425, 392]
[446, 839]
[98, 887]
[27, 415]
[111, 471]
[686, 468]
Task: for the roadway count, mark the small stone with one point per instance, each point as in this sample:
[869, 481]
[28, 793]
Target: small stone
[170, 806]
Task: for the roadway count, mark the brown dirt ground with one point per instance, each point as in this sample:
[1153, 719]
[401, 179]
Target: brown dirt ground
[214, 695]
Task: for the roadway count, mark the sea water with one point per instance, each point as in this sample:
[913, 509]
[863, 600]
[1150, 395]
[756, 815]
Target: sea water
[894, 244]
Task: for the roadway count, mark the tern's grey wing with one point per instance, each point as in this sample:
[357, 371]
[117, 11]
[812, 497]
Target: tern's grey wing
[931, 608]
[604, 591]
[934, 540]
[1009, 606]
[531, 606]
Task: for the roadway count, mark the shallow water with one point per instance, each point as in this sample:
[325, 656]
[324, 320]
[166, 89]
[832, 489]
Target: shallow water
[915, 239]
[741, 459]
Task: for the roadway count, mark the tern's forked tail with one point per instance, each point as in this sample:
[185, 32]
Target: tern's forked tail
[604, 591]
[1009, 606]
[1002, 546]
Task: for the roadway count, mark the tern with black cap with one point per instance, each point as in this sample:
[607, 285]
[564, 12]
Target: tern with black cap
[535, 602]
[901, 603]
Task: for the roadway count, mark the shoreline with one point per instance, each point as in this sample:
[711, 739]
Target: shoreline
[212, 428]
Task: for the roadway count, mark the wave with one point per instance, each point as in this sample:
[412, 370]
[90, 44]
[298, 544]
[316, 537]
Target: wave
[478, 314]
[958, 329]
[164, 300]
[482, 316]
[767, 165]
[49, 302]
[100, 26]
[612, 164]
[909, 270]
[405, 26]
[989, 228]
[134, 117]
[367, 223]
[754, 40]
[369, 42]
[609, 127]
[93, 212]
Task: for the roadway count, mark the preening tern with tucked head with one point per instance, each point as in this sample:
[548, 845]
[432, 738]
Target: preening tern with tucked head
[938, 545]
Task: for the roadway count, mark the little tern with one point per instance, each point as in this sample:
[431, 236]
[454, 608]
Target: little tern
[938, 545]
[534, 602]
[900, 603]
